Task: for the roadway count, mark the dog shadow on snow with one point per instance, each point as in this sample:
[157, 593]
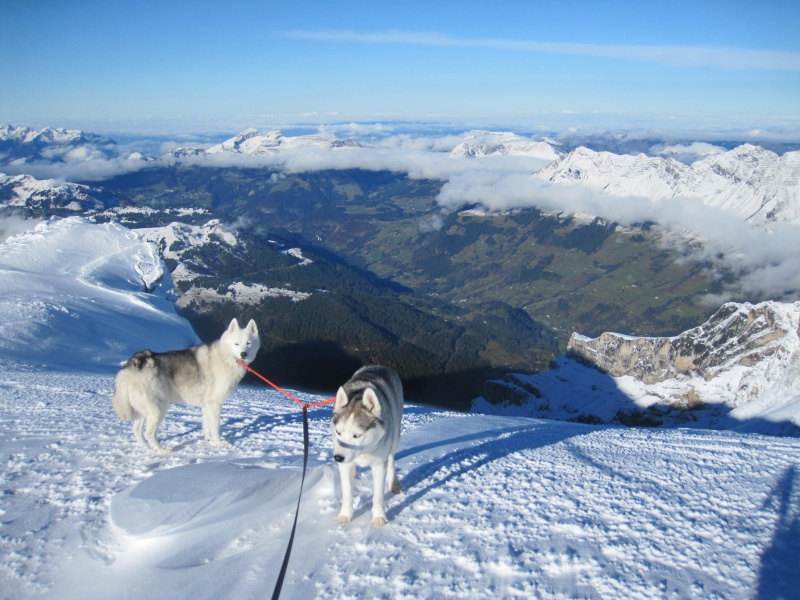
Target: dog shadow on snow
[233, 429]
[460, 461]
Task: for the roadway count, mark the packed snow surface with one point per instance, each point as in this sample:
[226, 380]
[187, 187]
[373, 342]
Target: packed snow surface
[493, 506]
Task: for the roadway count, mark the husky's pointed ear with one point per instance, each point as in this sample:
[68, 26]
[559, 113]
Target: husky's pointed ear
[234, 325]
[341, 399]
[252, 327]
[371, 403]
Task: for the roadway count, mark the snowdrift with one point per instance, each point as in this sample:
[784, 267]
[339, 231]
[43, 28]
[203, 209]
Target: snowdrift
[494, 506]
[80, 296]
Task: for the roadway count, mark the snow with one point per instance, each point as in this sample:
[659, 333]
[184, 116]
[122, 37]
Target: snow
[487, 143]
[74, 296]
[240, 292]
[749, 181]
[494, 506]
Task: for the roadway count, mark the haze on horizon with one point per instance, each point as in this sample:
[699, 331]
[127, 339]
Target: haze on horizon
[190, 67]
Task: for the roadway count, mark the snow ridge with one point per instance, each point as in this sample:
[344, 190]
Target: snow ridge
[749, 181]
[485, 143]
[44, 195]
[77, 295]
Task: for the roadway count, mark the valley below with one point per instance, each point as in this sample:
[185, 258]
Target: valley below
[453, 298]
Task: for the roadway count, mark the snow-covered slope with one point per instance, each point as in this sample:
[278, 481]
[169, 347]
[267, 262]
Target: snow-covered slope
[739, 370]
[249, 142]
[45, 195]
[185, 244]
[494, 506]
[80, 296]
[752, 182]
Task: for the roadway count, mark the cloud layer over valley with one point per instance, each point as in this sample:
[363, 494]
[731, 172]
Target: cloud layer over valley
[746, 232]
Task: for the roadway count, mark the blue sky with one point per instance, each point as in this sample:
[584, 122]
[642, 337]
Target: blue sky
[65, 63]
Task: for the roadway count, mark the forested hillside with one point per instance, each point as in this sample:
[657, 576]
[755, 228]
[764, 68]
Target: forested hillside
[447, 297]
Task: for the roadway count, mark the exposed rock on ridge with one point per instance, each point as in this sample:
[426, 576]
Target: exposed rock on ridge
[743, 335]
[736, 334]
[739, 370]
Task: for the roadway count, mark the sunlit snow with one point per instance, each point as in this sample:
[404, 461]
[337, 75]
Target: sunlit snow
[494, 506]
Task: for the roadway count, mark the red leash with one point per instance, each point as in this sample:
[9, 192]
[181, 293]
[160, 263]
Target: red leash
[283, 391]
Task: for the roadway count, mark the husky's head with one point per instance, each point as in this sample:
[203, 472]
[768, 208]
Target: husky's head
[356, 424]
[242, 342]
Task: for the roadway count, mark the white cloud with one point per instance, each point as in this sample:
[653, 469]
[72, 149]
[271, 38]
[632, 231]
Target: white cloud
[97, 169]
[688, 153]
[726, 58]
[12, 225]
[766, 263]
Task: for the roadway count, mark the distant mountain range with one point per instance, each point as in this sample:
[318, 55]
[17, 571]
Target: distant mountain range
[749, 181]
[488, 143]
[753, 183]
[19, 145]
[349, 265]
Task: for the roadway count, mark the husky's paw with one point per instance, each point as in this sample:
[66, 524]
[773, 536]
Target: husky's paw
[221, 442]
[397, 488]
[342, 519]
[379, 521]
[162, 451]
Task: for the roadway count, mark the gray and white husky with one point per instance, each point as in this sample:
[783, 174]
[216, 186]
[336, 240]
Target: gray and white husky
[203, 375]
[366, 429]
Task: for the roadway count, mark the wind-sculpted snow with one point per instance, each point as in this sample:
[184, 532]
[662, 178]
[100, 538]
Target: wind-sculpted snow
[494, 506]
[498, 507]
[81, 295]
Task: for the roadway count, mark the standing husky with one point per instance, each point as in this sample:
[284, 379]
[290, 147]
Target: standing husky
[203, 375]
[366, 430]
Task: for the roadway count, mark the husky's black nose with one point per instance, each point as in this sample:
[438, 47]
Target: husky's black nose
[338, 457]
[244, 354]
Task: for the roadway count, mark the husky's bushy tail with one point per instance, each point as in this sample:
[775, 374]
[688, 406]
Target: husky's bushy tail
[121, 398]
[120, 402]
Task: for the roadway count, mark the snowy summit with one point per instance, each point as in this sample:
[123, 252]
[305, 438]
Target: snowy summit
[494, 506]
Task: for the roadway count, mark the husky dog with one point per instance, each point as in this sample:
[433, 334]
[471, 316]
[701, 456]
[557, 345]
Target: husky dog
[366, 430]
[203, 375]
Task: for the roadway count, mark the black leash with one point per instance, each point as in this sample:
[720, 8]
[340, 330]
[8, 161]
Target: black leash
[306, 405]
[279, 584]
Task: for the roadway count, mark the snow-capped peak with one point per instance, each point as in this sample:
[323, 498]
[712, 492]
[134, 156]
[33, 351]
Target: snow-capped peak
[19, 145]
[249, 142]
[749, 181]
[485, 143]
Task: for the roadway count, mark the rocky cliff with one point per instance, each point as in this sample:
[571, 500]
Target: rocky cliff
[740, 369]
[737, 334]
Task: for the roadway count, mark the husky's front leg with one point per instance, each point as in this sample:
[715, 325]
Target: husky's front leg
[378, 483]
[347, 473]
[211, 424]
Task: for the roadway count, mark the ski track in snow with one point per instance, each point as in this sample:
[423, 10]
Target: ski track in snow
[493, 506]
